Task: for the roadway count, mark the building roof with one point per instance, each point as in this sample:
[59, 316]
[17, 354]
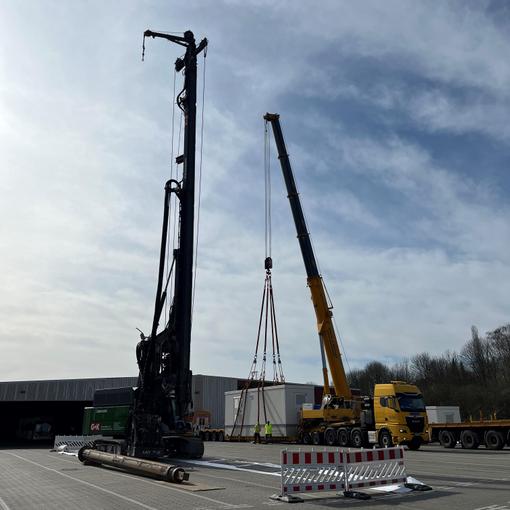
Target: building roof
[59, 389]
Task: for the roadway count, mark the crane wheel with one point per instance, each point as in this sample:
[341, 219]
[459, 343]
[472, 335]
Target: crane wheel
[494, 440]
[447, 439]
[330, 437]
[221, 436]
[469, 440]
[357, 438]
[316, 438]
[307, 438]
[343, 437]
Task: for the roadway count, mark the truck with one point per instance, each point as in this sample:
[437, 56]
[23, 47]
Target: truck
[395, 414]
[150, 421]
[494, 434]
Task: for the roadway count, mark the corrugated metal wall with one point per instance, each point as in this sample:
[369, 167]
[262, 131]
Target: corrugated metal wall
[209, 395]
[59, 390]
[208, 391]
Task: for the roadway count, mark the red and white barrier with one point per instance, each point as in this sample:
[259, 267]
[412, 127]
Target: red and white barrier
[372, 468]
[340, 470]
[311, 472]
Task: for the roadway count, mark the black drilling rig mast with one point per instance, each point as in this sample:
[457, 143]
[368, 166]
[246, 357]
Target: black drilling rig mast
[163, 395]
[156, 424]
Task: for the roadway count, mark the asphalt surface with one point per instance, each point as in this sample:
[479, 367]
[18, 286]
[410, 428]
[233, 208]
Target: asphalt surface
[232, 476]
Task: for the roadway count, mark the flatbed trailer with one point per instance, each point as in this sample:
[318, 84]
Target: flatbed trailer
[213, 434]
[494, 434]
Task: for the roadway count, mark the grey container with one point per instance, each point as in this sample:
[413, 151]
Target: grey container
[283, 404]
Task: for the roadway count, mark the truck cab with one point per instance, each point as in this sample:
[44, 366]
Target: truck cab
[400, 416]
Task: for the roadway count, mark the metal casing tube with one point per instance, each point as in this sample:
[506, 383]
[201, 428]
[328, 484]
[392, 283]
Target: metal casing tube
[158, 470]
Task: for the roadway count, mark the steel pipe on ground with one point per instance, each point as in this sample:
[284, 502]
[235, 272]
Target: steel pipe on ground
[158, 470]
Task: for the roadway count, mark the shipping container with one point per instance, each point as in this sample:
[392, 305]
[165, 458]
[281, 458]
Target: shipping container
[283, 404]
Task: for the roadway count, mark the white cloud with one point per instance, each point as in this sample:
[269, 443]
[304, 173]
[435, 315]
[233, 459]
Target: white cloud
[85, 144]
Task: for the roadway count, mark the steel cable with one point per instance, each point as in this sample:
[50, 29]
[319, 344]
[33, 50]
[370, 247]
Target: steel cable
[199, 189]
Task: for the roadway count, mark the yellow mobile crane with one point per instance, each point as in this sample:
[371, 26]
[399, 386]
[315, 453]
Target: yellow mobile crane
[396, 412]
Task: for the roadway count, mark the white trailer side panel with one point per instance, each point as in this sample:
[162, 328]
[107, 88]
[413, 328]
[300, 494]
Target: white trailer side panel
[443, 414]
[282, 404]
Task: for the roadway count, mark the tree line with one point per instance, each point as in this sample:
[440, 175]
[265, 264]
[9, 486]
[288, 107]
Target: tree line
[477, 378]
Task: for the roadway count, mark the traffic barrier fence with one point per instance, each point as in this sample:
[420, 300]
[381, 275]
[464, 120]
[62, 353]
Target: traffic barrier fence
[74, 443]
[372, 468]
[340, 471]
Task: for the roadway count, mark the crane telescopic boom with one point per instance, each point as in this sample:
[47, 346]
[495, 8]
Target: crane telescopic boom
[323, 313]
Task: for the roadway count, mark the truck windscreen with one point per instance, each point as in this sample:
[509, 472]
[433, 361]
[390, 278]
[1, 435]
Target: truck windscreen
[411, 402]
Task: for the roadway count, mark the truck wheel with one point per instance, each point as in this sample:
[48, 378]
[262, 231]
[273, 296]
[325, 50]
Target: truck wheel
[385, 440]
[414, 444]
[330, 437]
[357, 438]
[469, 440]
[494, 440]
[307, 438]
[447, 439]
[316, 438]
[343, 437]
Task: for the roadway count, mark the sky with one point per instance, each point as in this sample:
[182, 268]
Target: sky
[395, 116]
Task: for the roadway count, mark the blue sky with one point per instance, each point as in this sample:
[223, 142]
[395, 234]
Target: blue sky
[396, 120]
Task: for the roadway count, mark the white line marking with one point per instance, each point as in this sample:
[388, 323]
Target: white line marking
[216, 501]
[240, 462]
[3, 505]
[228, 466]
[461, 462]
[125, 498]
[240, 481]
[436, 473]
[494, 507]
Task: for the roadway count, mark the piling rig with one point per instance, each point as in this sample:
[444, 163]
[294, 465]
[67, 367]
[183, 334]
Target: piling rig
[152, 421]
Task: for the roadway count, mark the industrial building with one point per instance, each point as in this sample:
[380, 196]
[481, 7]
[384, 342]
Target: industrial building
[61, 402]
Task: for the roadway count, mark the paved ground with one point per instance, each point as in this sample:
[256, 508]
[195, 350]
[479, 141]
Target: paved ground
[37, 479]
